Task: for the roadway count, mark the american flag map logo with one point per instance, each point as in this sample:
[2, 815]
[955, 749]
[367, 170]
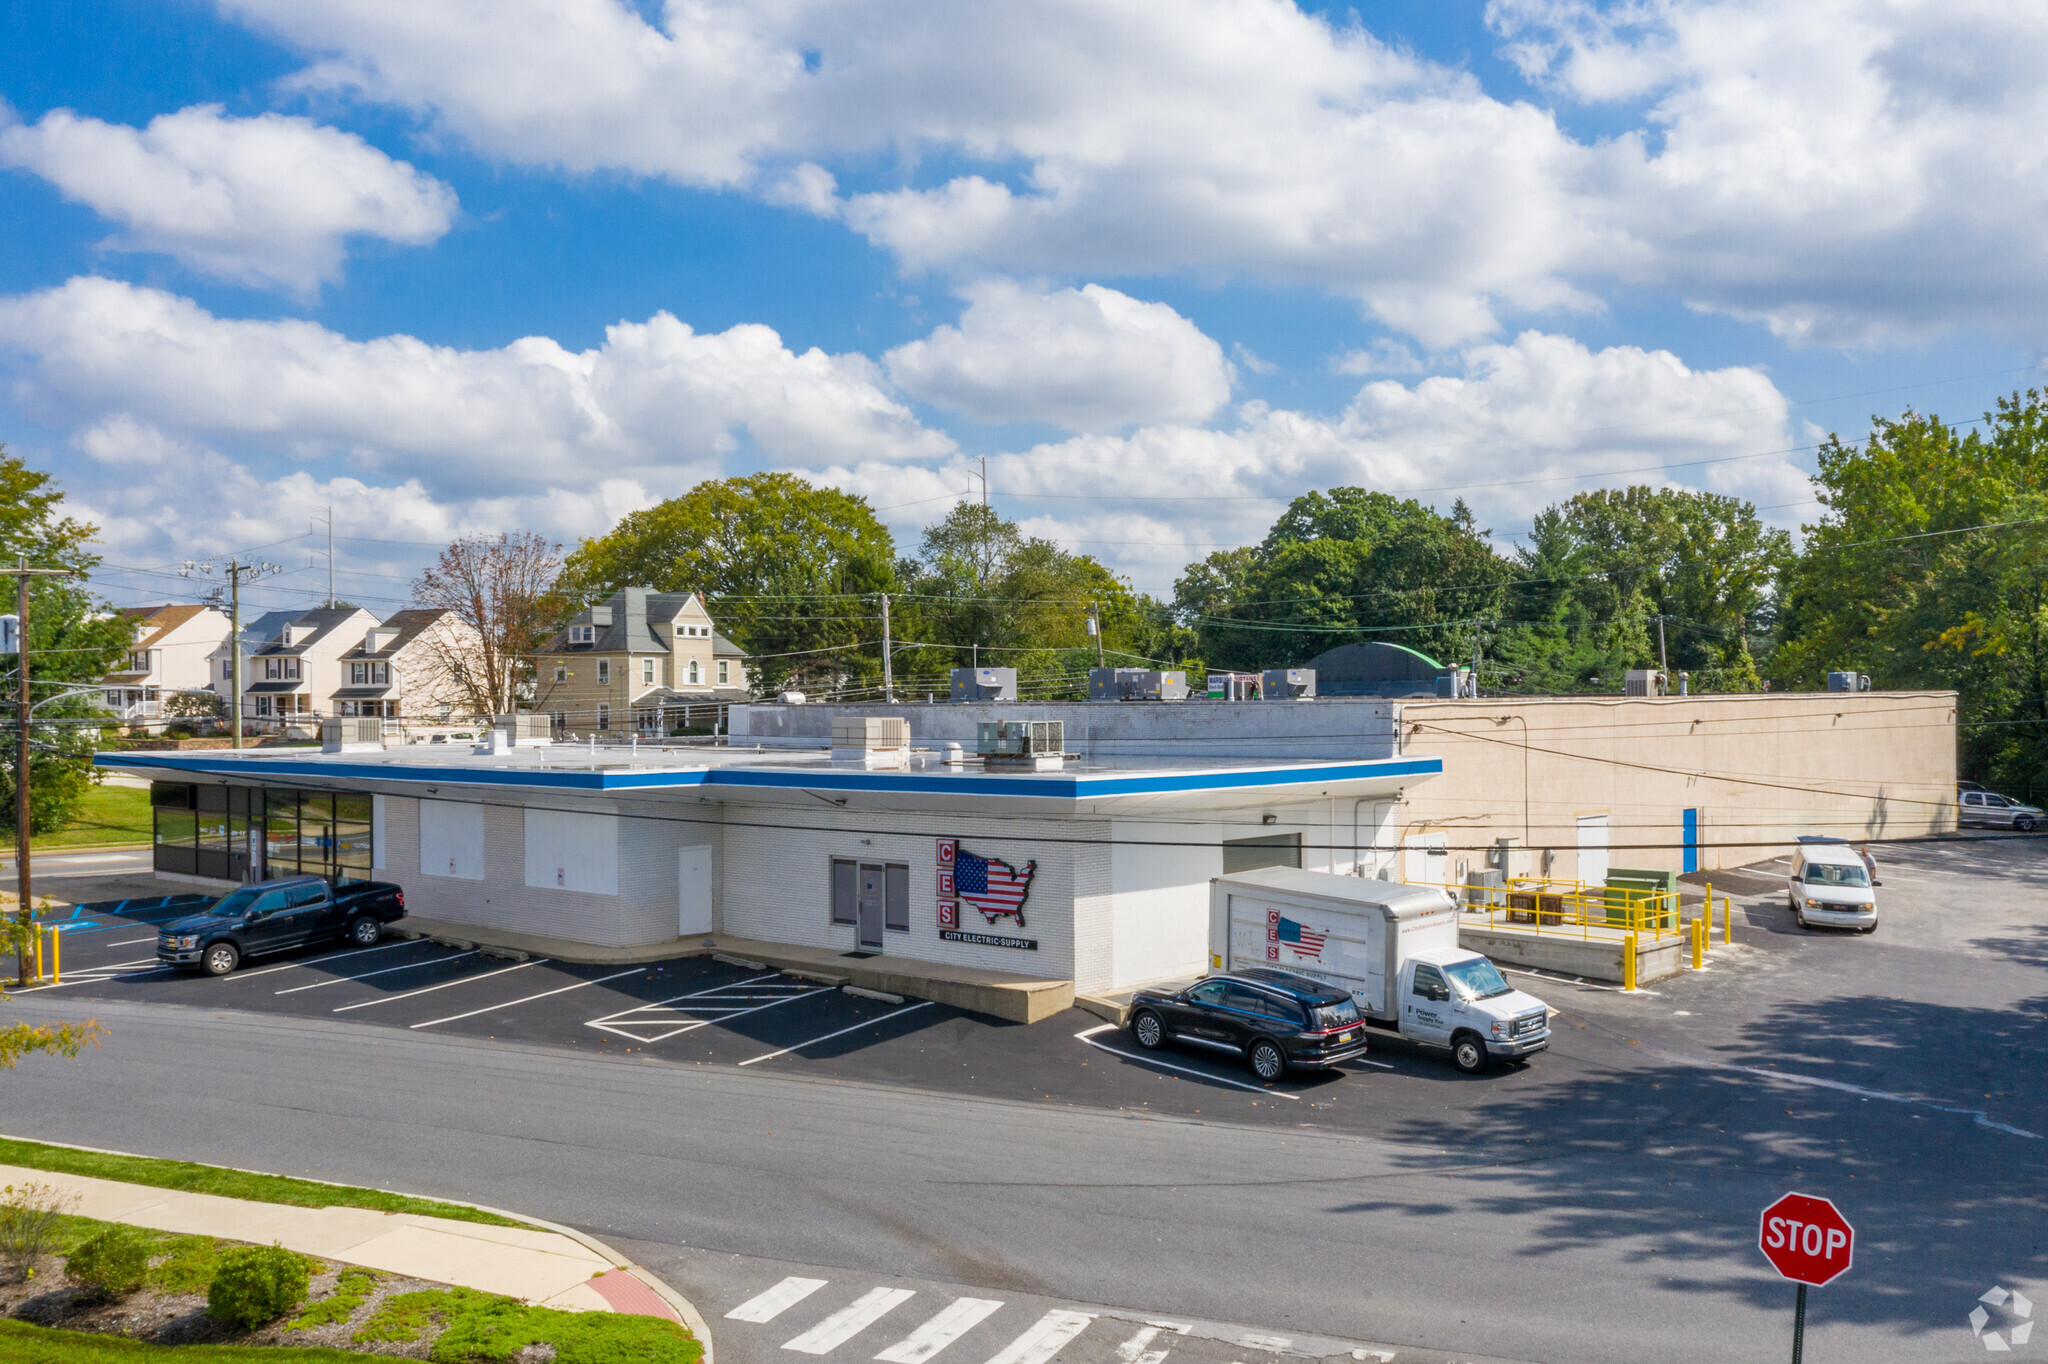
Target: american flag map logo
[992, 886]
[1306, 942]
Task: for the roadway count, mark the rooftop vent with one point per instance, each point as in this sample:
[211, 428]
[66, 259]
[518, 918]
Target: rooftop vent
[600, 615]
[352, 734]
[1848, 682]
[984, 684]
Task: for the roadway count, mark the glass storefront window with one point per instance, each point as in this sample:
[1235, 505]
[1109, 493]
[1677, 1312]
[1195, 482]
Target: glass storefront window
[176, 832]
[280, 833]
[351, 837]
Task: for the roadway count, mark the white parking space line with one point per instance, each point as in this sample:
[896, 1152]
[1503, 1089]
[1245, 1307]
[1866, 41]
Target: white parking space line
[709, 1002]
[849, 1321]
[772, 1304]
[330, 956]
[125, 942]
[1088, 1036]
[380, 971]
[462, 980]
[94, 979]
[893, 1013]
[1133, 1351]
[512, 1003]
[1044, 1339]
[953, 1322]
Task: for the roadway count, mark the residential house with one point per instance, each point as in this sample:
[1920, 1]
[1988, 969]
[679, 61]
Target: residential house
[407, 667]
[641, 660]
[297, 673]
[170, 654]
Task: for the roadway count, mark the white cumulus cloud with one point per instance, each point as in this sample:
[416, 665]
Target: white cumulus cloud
[269, 201]
[1088, 359]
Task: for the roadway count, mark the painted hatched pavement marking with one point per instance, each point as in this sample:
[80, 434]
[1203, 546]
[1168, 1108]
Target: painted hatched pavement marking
[771, 1304]
[656, 1022]
[1037, 1343]
[850, 1320]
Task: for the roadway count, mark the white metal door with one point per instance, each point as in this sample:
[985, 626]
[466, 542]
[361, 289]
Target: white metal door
[693, 891]
[1593, 849]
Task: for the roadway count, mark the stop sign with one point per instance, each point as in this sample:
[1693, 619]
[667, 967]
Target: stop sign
[1806, 1238]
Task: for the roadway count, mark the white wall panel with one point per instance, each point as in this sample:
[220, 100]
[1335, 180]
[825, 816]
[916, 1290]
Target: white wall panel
[1159, 900]
[452, 839]
[569, 850]
[379, 857]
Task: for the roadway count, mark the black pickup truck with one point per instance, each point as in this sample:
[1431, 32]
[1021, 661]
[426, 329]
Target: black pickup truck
[271, 916]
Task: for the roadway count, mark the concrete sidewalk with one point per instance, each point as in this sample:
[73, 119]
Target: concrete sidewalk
[550, 1268]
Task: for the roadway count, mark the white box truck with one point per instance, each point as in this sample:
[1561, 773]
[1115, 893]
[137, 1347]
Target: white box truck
[1393, 947]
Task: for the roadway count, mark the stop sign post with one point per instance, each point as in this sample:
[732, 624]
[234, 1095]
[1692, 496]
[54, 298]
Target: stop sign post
[1807, 1240]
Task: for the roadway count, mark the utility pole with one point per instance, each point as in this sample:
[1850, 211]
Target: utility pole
[1095, 629]
[1663, 662]
[23, 913]
[888, 666]
[984, 481]
[330, 555]
[236, 571]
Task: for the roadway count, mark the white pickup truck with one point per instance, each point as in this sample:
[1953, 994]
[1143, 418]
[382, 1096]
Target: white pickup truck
[1392, 947]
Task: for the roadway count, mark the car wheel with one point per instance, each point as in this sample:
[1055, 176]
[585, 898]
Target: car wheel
[1147, 1028]
[1269, 1063]
[2025, 826]
[364, 931]
[220, 959]
[1468, 1053]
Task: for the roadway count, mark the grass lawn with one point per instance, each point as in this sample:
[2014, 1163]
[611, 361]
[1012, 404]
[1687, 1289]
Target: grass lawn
[212, 1179]
[21, 1343]
[108, 814]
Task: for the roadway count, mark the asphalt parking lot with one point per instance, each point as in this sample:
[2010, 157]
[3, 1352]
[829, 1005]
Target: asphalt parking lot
[1954, 911]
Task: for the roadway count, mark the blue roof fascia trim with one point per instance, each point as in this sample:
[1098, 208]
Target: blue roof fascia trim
[738, 779]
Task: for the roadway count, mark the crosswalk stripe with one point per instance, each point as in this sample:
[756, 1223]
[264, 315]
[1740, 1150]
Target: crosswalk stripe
[1044, 1339]
[955, 1321]
[848, 1322]
[1133, 1351]
[770, 1305]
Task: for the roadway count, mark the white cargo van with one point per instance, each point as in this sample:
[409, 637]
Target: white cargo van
[1831, 885]
[1392, 947]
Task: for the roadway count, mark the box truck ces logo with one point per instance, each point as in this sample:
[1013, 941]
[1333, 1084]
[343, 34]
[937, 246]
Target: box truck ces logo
[1282, 932]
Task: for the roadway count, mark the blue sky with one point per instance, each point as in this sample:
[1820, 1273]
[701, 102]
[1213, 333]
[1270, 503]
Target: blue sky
[1165, 266]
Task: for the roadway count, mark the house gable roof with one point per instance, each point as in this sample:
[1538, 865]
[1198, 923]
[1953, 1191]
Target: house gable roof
[410, 624]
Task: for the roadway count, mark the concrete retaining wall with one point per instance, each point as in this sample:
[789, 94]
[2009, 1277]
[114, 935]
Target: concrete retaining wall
[1597, 958]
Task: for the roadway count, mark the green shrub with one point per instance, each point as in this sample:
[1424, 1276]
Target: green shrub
[352, 1288]
[256, 1284]
[110, 1263]
[188, 1265]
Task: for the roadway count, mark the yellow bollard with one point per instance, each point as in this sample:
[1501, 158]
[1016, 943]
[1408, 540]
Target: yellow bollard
[1727, 920]
[1699, 943]
[56, 957]
[1628, 962]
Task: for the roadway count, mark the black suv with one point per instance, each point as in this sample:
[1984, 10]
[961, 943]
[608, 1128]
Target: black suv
[271, 916]
[1271, 1018]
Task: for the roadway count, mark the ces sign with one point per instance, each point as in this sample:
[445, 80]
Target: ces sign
[1806, 1239]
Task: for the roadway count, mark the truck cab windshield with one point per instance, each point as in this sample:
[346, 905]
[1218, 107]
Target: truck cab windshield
[1476, 979]
[236, 905]
[1826, 874]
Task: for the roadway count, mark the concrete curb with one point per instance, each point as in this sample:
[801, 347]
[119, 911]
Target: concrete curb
[685, 1309]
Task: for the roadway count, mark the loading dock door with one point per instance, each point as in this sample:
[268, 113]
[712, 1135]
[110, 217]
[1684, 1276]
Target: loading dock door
[693, 891]
[1593, 849]
[873, 904]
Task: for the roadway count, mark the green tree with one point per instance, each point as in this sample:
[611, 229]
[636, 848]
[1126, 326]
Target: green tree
[793, 572]
[74, 640]
[1340, 566]
[1929, 568]
[979, 588]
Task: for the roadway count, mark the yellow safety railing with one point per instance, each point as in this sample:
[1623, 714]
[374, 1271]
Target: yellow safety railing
[1549, 905]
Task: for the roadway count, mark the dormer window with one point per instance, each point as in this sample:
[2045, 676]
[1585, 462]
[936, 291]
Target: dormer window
[583, 634]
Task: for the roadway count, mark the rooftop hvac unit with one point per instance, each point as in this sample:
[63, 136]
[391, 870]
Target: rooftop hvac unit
[1454, 683]
[1233, 686]
[1136, 684]
[1848, 682]
[523, 729]
[984, 684]
[871, 740]
[1027, 745]
[1644, 682]
[352, 734]
[1289, 684]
